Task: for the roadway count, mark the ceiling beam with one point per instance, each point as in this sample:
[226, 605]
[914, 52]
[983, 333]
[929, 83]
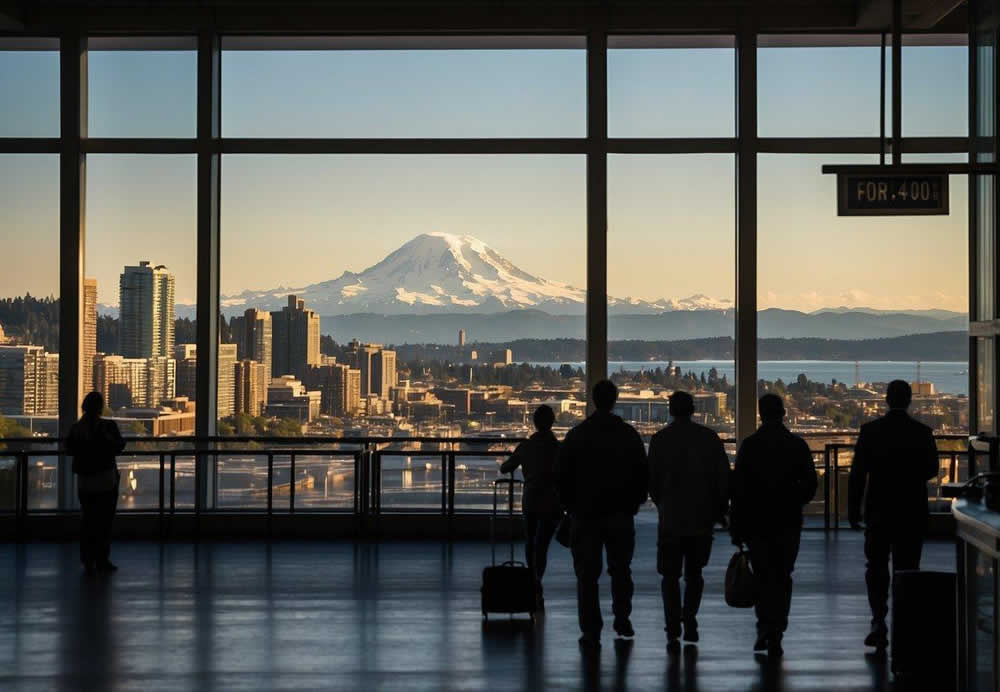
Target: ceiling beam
[917, 14]
[11, 15]
[934, 13]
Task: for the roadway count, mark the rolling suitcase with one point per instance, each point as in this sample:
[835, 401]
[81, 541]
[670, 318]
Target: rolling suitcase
[923, 641]
[508, 587]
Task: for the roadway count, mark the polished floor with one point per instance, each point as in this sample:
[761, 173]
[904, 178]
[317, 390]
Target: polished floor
[399, 616]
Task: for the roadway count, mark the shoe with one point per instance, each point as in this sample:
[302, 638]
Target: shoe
[590, 641]
[878, 637]
[774, 649]
[761, 642]
[624, 628]
[107, 567]
[691, 631]
[673, 645]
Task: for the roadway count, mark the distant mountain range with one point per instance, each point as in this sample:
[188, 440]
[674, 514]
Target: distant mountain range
[438, 283]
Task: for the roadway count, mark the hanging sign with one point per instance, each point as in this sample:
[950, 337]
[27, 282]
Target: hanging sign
[892, 194]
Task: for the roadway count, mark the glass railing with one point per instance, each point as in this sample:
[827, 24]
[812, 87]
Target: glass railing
[367, 476]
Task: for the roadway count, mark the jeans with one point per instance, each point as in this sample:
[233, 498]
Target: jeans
[614, 534]
[675, 554]
[773, 560]
[881, 542]
[97, 512]
[538, 531]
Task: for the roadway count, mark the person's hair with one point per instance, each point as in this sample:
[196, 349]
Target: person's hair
[681, 404]
[605, 395]
[771, 407]
[898, 394]
[544, 418]
[93, 404]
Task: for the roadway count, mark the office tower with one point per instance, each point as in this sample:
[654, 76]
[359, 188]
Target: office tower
[19, 372]
[461, 337]
[238, 336]
[364, 356]
[146, 321]
[257, 337]
[340, 386]
[250, 382]
[161, 378]
[89, 344]
[187, 370]
[226, 392]
[383, 373]
[295, 332]
[47, 402]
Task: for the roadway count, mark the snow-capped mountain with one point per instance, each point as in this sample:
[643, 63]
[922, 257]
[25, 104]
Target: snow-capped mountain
[441, 272]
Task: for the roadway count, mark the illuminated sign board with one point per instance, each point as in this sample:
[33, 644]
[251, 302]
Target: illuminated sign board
[892, 194]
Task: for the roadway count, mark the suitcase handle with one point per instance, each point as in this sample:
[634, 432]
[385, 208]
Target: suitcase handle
[511, 481]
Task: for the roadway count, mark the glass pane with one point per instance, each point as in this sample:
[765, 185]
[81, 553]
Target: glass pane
[135, 91]
[986, 384]
[29, 83]
[986, 252]
[671, 86]
[325, 481]
[29, 299]
[409, 92]
[671, 273]
[434, 295]
[935, 87]
[474, 482]
[849, 303]
[818, 86]
[411, 482]
[140, 256]
[8, 484]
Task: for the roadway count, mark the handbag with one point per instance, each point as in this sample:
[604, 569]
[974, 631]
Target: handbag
[741, 582]
[564, 531]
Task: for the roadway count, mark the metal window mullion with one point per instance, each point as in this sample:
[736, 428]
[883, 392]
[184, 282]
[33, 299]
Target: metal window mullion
[746, 234]
[973, 250]
[499, 145]
[597, 208]
[72, 221]
[208, 166]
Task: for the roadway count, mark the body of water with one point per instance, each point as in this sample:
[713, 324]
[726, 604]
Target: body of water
[948, 377]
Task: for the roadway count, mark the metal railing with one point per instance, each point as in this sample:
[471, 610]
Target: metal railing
[362, 477]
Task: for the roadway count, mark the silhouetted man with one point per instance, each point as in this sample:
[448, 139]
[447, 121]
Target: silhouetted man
[602, 483]
[774, 478]
[688, 481]
[537, 458]
[896, 455]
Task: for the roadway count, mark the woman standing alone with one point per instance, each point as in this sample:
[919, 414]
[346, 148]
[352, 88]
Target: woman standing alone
[93, 442]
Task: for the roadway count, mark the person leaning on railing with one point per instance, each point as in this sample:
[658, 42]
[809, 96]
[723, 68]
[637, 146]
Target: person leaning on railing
[93, 443]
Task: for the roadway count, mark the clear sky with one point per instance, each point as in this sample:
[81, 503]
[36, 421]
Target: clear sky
[293, 220]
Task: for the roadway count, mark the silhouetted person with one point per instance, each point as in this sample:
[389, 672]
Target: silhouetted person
[540, 502]
[602, 483]
[896, 456]
[773, 480]
[688, 481]
[93, 442]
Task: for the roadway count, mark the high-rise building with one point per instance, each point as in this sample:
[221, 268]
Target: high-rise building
[20, 368]
[340, 386]
[258, 337]
[226, 391]
[146, 322]
[186, 356]
[250, 382]
[238, 335]
[135, 382]
[383, 373]
[364, 356]
[461, 337]
[47, 402]
[295, 332]
[89, 333]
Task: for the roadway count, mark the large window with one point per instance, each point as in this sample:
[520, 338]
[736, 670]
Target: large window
[29, 318]
[29, 82]
[671, 270]
[404, 87]
[848, 304]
